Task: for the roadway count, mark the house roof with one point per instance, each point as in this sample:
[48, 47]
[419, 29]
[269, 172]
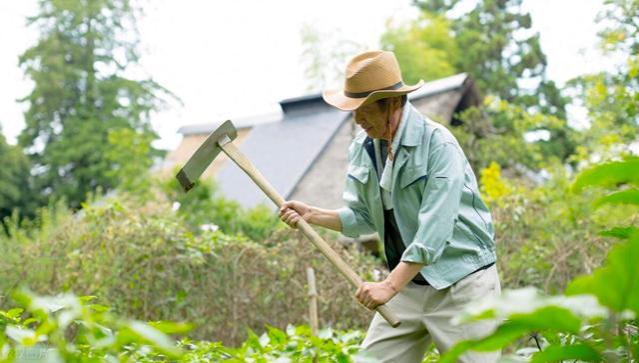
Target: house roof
[441, 85]
[283, 146]
[313, 102]
[284, 150]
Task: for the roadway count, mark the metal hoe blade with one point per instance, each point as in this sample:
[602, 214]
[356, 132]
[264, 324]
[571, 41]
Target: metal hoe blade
[204, 155]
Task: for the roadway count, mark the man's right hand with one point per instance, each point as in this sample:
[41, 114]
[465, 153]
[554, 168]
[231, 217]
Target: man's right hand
[291, 212]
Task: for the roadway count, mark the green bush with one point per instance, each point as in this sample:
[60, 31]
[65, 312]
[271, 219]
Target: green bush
[597, 319]
[204, 206]
[545, 234]
[144, 261]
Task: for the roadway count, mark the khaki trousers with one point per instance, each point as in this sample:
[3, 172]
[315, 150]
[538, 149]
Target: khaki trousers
[425, 314]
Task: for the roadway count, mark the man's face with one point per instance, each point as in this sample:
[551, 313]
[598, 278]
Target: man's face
[374, 120]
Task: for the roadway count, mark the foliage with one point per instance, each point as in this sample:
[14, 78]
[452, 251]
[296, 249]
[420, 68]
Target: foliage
[298, 344]
[597, 319]
[614, 122]
[621, 265]
[205, 208]
[497, 131]
[546, 235]
[424, 48]
[67, 328]
[494, 187]
[621, 30]
[81, 95]
[144, 261]
[295, 344]
[501, 61]
[129, 156]
[15, 190]
[611, 98]
[507, 64]
[498, 55]
[75, 329]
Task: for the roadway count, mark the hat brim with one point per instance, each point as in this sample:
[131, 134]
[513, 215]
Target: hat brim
[337, 98]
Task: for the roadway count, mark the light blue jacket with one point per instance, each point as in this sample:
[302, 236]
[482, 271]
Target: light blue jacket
[442, 219]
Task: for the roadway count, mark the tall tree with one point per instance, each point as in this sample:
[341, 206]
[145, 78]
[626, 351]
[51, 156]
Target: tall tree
[612, 98]
[425, 48]
[81, 93]
[493, 42]
[500, 52]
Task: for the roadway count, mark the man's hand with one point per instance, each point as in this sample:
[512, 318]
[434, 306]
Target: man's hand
[291, 212]
[373, 294]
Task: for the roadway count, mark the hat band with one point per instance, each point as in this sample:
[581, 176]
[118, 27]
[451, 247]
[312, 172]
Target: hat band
[397, 85]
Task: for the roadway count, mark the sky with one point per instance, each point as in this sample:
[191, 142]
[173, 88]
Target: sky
[239, 58]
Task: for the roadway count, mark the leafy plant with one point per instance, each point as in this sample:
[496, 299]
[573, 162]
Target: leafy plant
[596, 319]
[73, 329]
[143, 260]
[205, 208]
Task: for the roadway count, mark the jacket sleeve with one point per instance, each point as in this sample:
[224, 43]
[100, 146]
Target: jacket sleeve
[440, 204]
[354, 216]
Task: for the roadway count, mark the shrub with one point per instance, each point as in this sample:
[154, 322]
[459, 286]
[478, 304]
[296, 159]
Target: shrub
[204, 206]
[597, 319]
[144, 261]
[545, 234]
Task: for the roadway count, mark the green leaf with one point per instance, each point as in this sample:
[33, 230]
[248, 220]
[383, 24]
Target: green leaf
[277, 336]
[629, 196]
[616, 283]
[549, 318]
[169, 327]
[552, 318]
[609, 174]
[87, 298]
[620, 232]
[12, 314]
[99, 308]
[504, 335]
[28, 321]
[554, 353]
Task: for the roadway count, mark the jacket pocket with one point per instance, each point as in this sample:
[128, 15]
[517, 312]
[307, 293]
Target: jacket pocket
[359, 173]
[412, 175]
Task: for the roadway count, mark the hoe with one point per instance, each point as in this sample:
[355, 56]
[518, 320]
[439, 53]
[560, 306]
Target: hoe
[222, 140]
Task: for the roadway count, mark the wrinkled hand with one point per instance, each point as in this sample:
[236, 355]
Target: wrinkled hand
[291, 212]
[373, 294]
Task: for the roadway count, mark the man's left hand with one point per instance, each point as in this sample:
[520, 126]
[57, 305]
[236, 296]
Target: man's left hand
[373, 294]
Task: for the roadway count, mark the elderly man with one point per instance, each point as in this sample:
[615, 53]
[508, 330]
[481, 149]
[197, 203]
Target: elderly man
[409, 181]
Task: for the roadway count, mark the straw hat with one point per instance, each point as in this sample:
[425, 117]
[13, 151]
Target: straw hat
[370, 76]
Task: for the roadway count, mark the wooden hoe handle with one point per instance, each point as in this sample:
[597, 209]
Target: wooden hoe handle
[245, 164]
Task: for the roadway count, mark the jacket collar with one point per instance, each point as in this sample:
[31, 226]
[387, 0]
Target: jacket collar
[414, 129]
